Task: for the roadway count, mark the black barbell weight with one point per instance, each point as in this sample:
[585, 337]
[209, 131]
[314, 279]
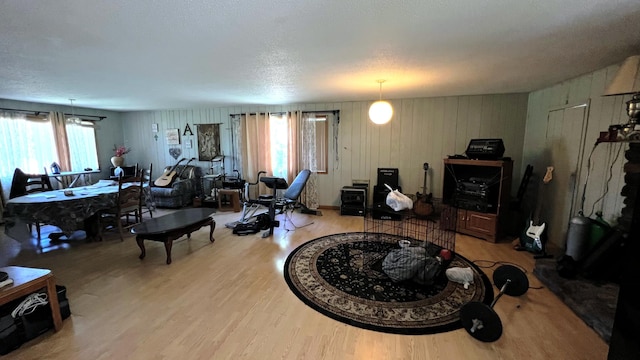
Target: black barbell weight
[479, 319]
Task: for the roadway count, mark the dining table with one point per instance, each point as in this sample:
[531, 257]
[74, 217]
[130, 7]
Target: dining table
[68, 209]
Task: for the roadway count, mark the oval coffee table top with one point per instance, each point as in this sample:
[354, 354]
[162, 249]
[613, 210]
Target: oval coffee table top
[177, 219]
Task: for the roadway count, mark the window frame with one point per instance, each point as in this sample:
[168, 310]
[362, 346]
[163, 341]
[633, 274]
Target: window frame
[324, 140]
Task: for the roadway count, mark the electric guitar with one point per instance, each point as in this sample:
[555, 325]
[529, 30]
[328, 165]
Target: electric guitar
[168, 176]
[423, 205]
[531, 239]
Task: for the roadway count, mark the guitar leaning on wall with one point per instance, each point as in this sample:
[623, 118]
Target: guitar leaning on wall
[184, 168]
[533, 238]
[168, 176]
[423, 205]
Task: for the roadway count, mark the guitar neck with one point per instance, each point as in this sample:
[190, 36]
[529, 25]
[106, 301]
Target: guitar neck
[424, 184]
[538, 209]
[175, 166]
[185, 167]
[545, 180]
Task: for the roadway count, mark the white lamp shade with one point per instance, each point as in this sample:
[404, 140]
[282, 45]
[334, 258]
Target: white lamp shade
[627, 79]
[380, 112]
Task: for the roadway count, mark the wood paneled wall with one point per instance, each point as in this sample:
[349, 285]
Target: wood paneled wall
[605, 175]
[421, 130]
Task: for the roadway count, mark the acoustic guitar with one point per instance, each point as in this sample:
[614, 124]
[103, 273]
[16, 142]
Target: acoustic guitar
[533, 238]
[423, 205]
[168, 176]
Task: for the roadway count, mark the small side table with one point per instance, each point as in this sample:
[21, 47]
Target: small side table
[29, 280]
[234, 198]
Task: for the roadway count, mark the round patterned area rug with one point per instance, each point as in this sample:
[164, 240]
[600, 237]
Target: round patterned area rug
[341, 276]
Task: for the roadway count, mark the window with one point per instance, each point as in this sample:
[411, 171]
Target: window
[82, 145]
[315, 140]
[321, 125]
[28, 142]
[279, 137]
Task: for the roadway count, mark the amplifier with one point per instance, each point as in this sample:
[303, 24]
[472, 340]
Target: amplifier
[486, 149]
[384, 212]
[352, 210]
[353, 195]
[474, 204]
[388, 176]
[471, 188]
[380, 193]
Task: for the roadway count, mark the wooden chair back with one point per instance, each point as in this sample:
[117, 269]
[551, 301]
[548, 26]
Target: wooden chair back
[129, 192]
[23, 184]
[128, 204]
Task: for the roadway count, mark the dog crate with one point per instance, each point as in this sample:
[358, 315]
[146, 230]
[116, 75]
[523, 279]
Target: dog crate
[419, 230]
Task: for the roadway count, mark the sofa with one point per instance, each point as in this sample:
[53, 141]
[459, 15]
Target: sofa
[186, 186]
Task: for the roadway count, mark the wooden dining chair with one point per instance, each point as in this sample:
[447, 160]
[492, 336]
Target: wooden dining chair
[25, 184]
[127, 205]
[147, 199]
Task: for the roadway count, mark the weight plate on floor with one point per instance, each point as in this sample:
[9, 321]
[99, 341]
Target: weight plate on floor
[519, 282]
[491, 329]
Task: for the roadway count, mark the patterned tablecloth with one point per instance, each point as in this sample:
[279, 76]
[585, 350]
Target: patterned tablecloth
[67, 212]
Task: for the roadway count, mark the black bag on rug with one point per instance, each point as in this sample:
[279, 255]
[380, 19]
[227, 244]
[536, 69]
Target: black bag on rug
[245, 229]
[9, 338]
[262, 222]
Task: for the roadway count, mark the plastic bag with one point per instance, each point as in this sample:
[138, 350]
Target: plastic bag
[460, 275]
[397, 200]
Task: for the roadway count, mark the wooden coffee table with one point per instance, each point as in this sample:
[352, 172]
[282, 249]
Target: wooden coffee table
[29, 280]
[173, 226]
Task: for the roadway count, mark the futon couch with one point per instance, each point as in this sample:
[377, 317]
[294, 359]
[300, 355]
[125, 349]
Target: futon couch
[181, 192]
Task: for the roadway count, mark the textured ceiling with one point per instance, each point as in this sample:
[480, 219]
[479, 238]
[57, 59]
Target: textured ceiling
[140, 55]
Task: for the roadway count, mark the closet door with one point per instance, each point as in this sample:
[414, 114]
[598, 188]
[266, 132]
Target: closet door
[565, 140]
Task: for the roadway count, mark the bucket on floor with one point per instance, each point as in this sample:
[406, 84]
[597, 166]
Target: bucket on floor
[578, 237]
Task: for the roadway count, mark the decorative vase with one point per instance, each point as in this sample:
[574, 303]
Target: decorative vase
[117, 161]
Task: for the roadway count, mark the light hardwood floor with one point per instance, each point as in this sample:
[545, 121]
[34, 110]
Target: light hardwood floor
[229, 300]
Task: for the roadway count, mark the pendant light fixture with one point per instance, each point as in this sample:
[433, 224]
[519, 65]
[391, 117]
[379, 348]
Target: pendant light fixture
[73, 118]
[380, 111]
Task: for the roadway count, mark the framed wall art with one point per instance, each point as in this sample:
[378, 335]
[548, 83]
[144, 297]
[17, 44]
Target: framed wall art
[208, 141]
[173, 136]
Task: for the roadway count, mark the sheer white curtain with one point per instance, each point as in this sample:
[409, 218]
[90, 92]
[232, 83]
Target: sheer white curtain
[308, 159]
[83, 151]
[28, 143]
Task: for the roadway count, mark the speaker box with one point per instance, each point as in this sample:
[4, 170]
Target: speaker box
[380, 193]
[382, 211]
[388, 176]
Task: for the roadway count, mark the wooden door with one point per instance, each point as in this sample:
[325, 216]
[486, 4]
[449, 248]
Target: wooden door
[564, 143]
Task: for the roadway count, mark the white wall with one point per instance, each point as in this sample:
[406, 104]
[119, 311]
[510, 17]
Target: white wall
[421, 130]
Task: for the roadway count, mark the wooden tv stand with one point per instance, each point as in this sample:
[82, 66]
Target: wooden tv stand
[465, 210]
